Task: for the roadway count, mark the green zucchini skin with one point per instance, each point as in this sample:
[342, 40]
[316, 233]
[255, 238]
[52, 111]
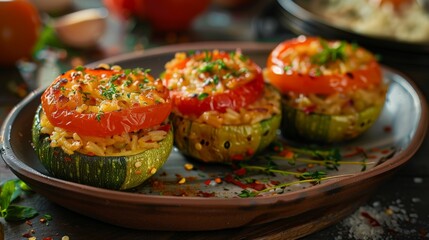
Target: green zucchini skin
[225, 144]
[322, 128]
[111, 172]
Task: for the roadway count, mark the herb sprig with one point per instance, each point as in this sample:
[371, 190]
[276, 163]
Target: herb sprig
[329, 158]
[10, 192]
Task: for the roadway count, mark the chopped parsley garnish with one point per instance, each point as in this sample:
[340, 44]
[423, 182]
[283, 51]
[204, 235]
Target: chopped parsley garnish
[287, 68]
[85, 96]
[206, 68]
[243, 58]
[127, 71]
[79, 68]
[329, 54]
[202, 96]
[99, 115]
[110, 91]
[127, 83]
[207, 56]
[143, 87]
[215, 79]
[115, 77]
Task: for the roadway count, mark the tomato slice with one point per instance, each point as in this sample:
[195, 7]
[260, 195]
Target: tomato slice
[212, 80]
[106, 102]
[20, 27]
[313, 65]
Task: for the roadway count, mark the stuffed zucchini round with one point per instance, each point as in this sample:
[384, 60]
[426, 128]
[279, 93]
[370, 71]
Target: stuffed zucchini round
[222, 109]
[104, 127]
[331, 90]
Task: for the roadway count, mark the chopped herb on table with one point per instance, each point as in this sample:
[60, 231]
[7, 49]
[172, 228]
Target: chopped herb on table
[11, 190]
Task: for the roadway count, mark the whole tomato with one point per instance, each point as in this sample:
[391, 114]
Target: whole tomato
[19, 30]
[163, 15]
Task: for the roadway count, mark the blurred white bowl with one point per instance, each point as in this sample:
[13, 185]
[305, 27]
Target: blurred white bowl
[81, 29]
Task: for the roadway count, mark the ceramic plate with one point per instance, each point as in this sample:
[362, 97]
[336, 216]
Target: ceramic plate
[210, 196]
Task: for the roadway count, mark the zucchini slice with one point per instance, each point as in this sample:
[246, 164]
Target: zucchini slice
[112, 172]
[299, 125]
[224, 144]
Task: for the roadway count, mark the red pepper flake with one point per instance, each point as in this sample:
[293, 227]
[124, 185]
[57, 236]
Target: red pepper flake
[287, 153]
[29, 223]
[310, 109]
[387, 129]
[423, 233]
[27, 235]
[240, 172]
[138, 172]
[257, 186]
[250, 152]
[67, 159]
[159, 185]
[218, 180]
[231, 179]
[205, 194]
[47, 238]
[207, 182]
[375, 149]
[385, 151]
[165, 127]
[275, 182]
[372, 221]
[357, 151]
[237, 157]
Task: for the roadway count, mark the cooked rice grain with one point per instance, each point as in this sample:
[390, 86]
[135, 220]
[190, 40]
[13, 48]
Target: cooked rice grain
[264, 108]
[123, 145]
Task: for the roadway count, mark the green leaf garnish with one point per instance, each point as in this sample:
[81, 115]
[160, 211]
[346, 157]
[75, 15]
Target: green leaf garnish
[79, 68]
[18, 213]
[110, 91]
[247, 193]
[10, 191]
[99, 115]
[202, 96]
[329, 54]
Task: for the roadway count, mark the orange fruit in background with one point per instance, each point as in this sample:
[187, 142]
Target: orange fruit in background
[19, 30]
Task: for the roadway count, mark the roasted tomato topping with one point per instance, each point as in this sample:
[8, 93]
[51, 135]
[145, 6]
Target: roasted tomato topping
[212, 80]
[105, 102]
[314, 65]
